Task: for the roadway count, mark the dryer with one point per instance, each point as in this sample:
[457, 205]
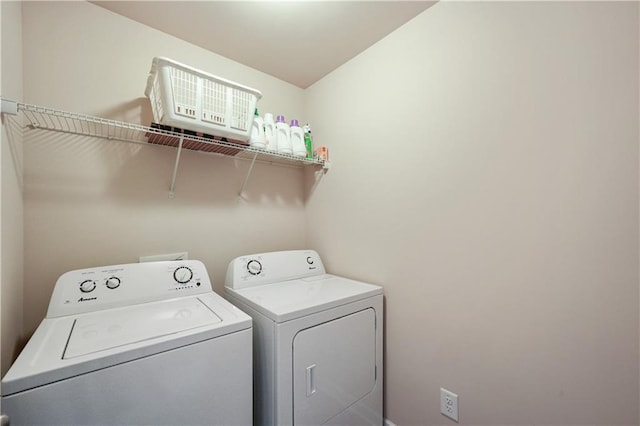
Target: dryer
[317, 340]
[145, 344]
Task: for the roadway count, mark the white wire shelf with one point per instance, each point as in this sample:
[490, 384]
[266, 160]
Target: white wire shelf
[38, 117]
[79, 124]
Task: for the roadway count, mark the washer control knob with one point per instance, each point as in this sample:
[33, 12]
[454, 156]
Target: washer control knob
[183, 274]
[113, 282]
[87, 286]
[254, 267]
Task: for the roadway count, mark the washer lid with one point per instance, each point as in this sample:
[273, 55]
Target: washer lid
[73, 345]
[287, 300]
[103, 330]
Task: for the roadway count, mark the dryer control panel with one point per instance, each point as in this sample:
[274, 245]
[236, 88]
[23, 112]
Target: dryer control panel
[267, 268]
[105, 287]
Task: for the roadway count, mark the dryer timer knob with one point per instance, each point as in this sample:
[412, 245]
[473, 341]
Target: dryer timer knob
[254, 267]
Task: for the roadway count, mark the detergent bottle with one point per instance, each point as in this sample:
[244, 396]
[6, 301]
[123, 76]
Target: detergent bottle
[270, 139]
[297, 140]
[283, 136]
[257, 140]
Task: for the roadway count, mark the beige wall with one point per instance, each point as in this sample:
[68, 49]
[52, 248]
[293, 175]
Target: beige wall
[485, 171]
[90, 202]
[11, 205]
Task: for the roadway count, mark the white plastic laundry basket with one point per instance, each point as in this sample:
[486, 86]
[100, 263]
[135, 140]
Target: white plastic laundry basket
[190, 99]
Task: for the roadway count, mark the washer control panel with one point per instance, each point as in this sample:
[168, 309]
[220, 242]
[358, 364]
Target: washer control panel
[266, 268]
[104, 287]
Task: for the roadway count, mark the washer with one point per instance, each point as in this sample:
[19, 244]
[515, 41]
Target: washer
[146, 343]
[317, 340]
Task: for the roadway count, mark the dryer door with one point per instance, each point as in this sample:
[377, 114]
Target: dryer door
[334, 365]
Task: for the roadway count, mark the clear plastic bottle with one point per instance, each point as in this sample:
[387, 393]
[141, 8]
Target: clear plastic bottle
[270, 138]
[283, 136]
[257, 140]
[297, 139]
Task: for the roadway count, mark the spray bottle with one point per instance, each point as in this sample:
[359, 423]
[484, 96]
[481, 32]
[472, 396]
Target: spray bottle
[308, 142]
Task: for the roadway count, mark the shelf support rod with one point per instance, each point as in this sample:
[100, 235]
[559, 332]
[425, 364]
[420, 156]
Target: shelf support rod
[175, 168]
[246, 179]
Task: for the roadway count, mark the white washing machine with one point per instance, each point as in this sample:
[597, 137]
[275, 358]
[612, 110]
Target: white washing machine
[144, 344]
[317, 340]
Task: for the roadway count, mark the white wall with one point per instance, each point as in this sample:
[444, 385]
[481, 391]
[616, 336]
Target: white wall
[90, 202]
[11, 204]
[485, 172]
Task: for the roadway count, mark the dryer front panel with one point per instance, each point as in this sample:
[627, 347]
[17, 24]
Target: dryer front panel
[334, 366]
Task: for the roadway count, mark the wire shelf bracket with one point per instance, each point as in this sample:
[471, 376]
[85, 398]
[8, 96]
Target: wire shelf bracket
[8, 107]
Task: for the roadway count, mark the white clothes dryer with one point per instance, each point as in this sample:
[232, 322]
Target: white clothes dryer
[144, 344]
[317, 340]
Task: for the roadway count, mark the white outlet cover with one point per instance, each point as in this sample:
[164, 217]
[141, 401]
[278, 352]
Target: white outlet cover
[449, 404]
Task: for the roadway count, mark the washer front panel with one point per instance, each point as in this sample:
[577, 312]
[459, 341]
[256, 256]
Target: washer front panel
[205, 383]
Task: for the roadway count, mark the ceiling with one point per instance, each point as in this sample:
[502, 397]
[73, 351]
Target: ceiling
[296, 41]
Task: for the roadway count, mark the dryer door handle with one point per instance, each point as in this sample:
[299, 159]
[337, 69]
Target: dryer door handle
[311, 380]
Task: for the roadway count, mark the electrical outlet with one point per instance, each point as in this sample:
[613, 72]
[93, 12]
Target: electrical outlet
[449, 404]
[160, 257]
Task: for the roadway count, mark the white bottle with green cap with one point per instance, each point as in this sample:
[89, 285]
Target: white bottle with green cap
[256, 140]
